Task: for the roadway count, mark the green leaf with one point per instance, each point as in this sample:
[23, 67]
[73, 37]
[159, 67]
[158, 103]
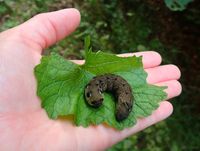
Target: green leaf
[177, 5]
[61, 86]
[87, 43]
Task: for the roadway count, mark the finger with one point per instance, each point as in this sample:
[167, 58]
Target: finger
[149, 58]
[163, 73]
[165, 109]
[47, 28]
[174, 88]
[113, 136]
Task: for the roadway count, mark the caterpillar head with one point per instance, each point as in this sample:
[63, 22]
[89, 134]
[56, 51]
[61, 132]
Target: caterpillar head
[93, 95]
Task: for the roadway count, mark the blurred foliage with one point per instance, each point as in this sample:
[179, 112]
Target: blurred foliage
[151, 139]
[129, 26]
[177, 5]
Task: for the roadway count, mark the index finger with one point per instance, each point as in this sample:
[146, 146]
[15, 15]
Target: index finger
[149, 58]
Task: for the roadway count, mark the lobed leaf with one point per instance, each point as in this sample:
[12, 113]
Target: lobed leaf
[61, 86]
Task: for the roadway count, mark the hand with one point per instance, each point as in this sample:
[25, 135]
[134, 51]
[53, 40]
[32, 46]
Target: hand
[24, 125]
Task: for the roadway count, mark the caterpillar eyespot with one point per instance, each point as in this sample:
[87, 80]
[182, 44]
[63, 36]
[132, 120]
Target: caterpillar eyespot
[88, 94]
[115, 84]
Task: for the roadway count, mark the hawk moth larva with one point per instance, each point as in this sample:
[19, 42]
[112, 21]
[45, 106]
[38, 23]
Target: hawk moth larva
[115, 84]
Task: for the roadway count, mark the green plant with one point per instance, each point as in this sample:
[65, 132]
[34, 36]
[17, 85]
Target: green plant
[177, 5]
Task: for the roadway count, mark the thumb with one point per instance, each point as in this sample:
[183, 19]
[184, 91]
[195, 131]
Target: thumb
[46, 29]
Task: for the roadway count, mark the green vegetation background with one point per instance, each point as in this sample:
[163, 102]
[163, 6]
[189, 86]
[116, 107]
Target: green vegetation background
[129, 26]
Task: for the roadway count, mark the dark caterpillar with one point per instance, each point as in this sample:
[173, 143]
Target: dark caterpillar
[114, 84]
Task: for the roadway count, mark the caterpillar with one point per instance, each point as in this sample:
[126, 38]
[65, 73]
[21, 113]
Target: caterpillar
[115, 84]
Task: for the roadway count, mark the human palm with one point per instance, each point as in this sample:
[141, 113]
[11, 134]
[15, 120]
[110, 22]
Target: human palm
[24, 125]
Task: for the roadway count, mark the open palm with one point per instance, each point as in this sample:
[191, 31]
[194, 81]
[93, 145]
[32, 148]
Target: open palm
[24, 125]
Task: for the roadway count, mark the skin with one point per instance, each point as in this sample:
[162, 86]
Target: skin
[24, 125]
[114, 84]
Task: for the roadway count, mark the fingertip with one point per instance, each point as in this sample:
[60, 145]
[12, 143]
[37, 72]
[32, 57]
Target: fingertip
[158, 56]
[163, 73]
[176, 71]
[149, 58]
[179, 87]
[76, 12]
[75, 16]
[165, 111]
[152, 59]
[67, 21]
[174, 88]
